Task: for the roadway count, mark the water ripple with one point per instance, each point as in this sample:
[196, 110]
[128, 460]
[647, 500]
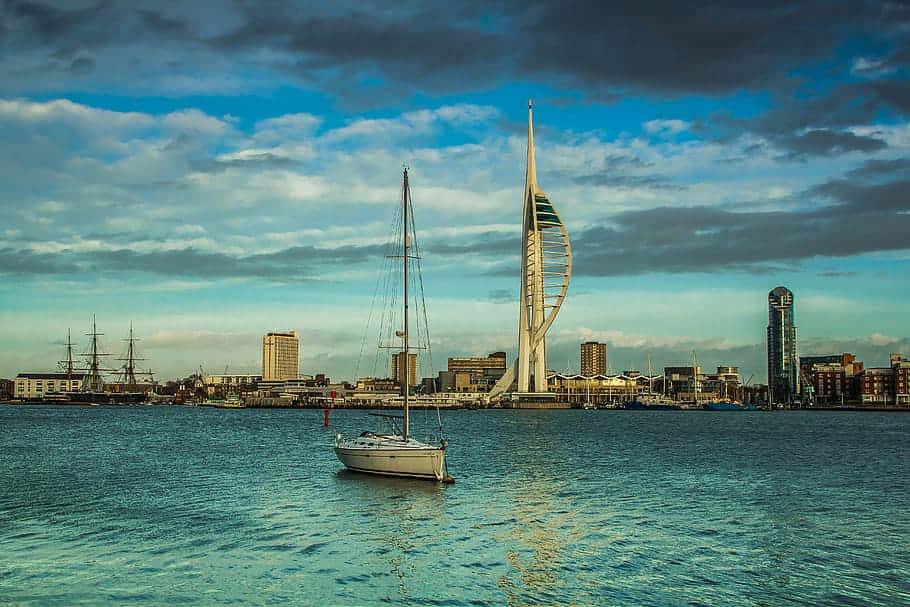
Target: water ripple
[147, 506]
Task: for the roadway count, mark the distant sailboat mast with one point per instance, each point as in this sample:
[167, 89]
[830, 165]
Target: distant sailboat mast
[650, 376]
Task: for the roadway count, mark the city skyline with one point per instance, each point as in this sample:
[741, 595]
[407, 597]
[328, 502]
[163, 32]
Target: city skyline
[210, 175]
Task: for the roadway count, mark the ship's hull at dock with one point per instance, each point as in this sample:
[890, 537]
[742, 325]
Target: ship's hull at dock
[106, 398]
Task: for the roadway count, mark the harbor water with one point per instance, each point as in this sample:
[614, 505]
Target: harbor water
[192, 505]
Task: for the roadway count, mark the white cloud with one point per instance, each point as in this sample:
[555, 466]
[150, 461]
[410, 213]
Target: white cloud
[51, 206]
[195, 121]
[189, 229]
[869, 66]
[666, 128]
[73, 114]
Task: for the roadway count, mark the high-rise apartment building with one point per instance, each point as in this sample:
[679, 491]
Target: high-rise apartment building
[593, 358]
[280, 355]
[398, 368]
[783, 369]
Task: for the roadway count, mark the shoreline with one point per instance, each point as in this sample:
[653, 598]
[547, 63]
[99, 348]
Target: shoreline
[554, 406]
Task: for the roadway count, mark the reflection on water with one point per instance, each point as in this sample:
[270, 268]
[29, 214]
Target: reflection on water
[166, 505]
[535, 543]
[399, 509]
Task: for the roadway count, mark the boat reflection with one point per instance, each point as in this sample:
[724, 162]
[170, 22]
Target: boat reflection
[393, 484]
[401, 518]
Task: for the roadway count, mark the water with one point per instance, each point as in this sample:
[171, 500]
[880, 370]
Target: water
[169, 505]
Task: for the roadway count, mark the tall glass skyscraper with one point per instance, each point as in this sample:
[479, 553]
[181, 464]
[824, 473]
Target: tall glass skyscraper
[783, 366]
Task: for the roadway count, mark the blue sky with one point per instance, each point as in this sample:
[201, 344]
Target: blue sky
[211, 173]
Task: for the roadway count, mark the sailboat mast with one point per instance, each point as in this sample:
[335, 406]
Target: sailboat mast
[650, 375]
[405, 370]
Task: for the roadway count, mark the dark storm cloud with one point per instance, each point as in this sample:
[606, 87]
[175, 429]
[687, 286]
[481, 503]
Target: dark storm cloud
[656, 46]
[82, 65]
[817, 124]
[293, 264]
[165, 26]
[423, 43]
[822, 142]
[712, 48]
[858, 218]
[43, 22]
[881, 168]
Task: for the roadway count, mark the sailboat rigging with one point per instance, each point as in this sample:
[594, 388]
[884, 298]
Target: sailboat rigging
[397, 453]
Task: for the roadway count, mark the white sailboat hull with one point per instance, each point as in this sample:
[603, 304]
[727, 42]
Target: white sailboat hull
[391, 456]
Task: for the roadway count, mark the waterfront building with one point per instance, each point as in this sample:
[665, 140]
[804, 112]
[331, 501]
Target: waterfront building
[7, 388]
[280, 355]
[781, 342]
[377, 384]
[38, 385]
[886, 385]
[723, 384]
[681, 382]
[231, 380]
[598, 389]
[471, 374]
[593, 358]
[398, 368]
[546, 267]
[901, 381]
[877, 386]
[496, 360]
[830, 379]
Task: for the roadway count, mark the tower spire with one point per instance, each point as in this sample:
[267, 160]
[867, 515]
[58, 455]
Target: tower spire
[532, 164]
[546, 266]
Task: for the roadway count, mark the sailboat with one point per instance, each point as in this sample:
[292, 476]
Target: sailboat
[652, 400]
[396, 453]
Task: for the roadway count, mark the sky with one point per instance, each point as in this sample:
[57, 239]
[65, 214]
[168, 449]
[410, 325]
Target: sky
[212, 171]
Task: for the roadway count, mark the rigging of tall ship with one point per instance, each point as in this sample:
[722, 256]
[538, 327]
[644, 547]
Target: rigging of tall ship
[90, 375]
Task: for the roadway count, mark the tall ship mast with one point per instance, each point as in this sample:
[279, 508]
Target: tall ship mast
[93, 381]
[68, 366]
[129, 371]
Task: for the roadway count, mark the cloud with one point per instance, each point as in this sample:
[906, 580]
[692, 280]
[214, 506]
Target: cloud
[857, 218]
[589, 49]
[259, 161]
[666, 128]
[501, 296]
[493, 244]
[822, 123]
[614, 180]
[294, 264]
[711, 49]
[824, 142]
[880, 167]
